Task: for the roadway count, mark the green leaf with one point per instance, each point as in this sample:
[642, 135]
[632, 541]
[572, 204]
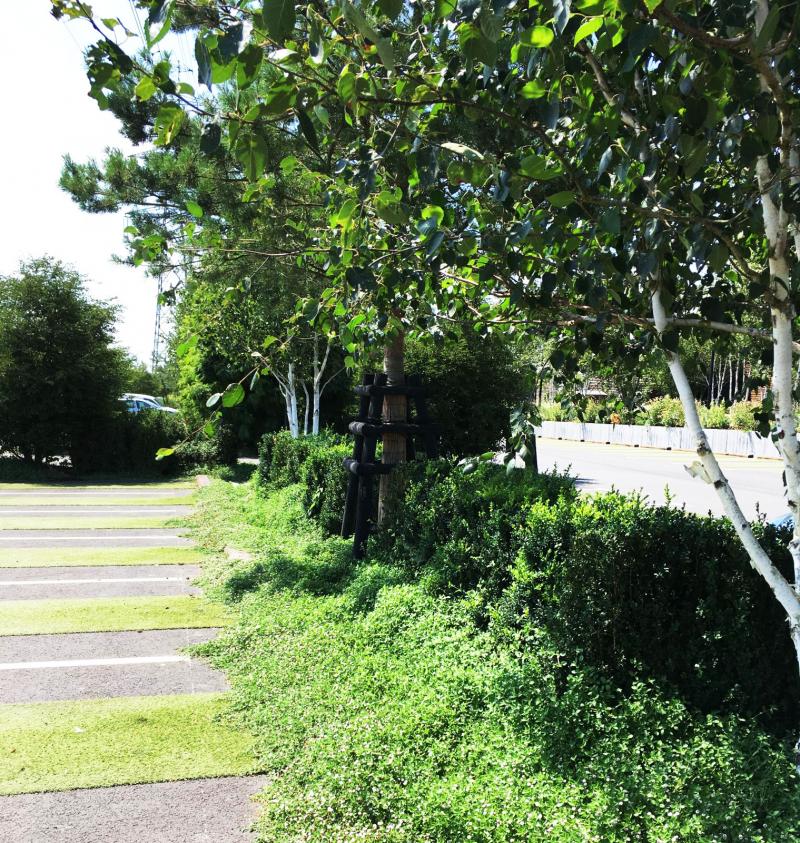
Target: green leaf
[533, 90]
[203, 58]
[346, 84]
[161, 453]
[213, 399]
[476, 45]
[280, 99]
[345, 213]
[307, 128]
[652, 5]
[248, 63]
[187, 345]
[145, 89]
[164, 15]
[233, 395]
[390, 209]
[252, 152]
[561, 199]
[587, 28]
[391, 8]
[460, 149]
[356, 18]
[279, 18]
[537, 36]
[537, 167]
[283, 56]
[167, 123]
[194, 209]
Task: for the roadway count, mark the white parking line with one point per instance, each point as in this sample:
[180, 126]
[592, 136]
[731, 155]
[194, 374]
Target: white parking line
[93, 581]
[93, 662]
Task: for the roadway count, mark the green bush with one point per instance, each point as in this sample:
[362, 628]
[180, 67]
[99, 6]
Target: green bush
[714, 417]
[314, 461]
[128, 443]
[664, 411]
[472, 385]
[325, 482]
[635, 590]
[281, 456]
[742, 415]
[555, 412]
[459, 529]
[405, 722]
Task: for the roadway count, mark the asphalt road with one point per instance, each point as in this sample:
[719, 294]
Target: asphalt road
[657, 474]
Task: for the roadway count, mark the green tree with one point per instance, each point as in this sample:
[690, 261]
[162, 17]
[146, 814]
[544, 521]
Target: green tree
[60, 376]
[631, 163]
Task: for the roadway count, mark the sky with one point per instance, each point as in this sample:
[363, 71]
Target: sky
[47, 115]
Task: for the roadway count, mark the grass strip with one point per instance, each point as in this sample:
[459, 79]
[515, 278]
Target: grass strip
[128, 740]
[57, 557]
[78, 522]
[139, 486]
[94, 501]
[112, 614]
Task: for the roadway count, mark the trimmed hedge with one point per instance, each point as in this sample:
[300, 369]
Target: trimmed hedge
[313, 461]
[634, 590]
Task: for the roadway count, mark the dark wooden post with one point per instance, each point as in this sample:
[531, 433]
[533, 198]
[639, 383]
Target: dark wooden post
[351, 499]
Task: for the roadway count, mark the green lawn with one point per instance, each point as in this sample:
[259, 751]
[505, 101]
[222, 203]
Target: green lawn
[145, 488]
[112, 614]
[96, 743]
[85, 522]
[51, 557]
[95, 501]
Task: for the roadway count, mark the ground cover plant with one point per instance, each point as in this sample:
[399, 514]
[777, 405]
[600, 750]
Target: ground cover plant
[127, 740]
[415, 697]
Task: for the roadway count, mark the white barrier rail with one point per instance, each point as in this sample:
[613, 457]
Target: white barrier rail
[735, 442]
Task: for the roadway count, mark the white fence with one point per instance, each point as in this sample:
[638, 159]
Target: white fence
[737, 442]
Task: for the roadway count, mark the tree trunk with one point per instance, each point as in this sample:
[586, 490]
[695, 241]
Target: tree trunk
[395, 409]
[291, 403]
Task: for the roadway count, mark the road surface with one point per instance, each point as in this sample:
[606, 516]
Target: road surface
[657, 473]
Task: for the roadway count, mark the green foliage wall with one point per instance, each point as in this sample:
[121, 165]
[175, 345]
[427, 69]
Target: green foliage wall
[472, 386]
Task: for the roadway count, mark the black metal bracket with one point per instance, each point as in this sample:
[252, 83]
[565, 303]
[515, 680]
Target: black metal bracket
[363, 467]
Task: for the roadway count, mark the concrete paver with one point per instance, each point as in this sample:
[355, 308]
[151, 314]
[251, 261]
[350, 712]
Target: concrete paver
[200, 811]
[95, 682]
[105, 581]
[138, 537]
[86, 572]
[88, 645]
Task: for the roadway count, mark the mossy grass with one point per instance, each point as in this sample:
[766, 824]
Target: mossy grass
[96, 743]
[113, 614]
[58, 557]
[86, 522]
[144, 485]
[92, 501]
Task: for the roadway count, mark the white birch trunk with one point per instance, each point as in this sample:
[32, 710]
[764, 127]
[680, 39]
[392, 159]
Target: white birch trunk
[710, 471]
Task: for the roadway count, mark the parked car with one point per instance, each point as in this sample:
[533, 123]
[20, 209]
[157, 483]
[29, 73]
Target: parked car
[786, 520]
[137, 402]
